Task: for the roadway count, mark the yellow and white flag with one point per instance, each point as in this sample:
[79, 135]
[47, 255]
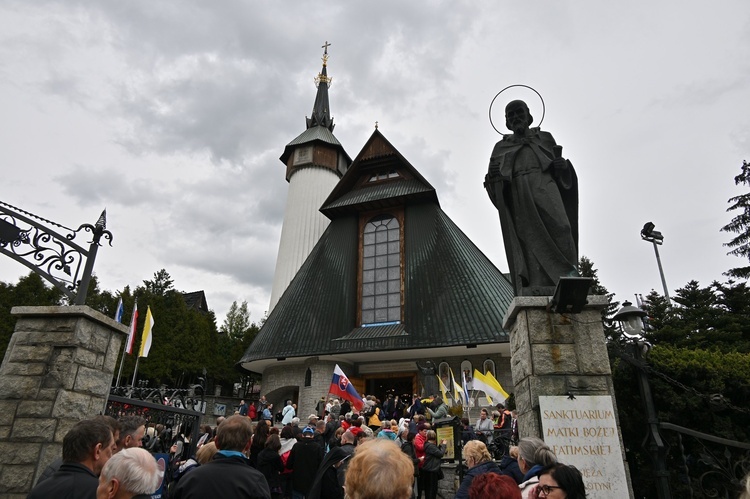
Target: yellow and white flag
[146, 337]
[490, 386]
[458, 392]
[443, 388]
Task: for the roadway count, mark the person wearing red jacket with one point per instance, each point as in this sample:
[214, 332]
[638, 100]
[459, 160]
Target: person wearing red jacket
[419, 442]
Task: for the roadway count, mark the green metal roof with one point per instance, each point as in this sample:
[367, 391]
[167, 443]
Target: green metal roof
[453, 295]
[315, 133]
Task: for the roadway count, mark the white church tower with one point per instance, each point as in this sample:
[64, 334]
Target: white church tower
[315, 161]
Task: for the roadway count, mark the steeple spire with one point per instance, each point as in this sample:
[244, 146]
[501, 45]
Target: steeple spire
[321, 114]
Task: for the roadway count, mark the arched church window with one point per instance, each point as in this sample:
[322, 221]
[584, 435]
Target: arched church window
[308, 377]
[489, 367]
[444, 372]
[467, 372]
[381, 271]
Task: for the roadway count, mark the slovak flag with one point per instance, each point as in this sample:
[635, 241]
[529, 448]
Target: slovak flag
[341, 387]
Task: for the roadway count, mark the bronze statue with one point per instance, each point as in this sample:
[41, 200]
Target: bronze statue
[535, 192]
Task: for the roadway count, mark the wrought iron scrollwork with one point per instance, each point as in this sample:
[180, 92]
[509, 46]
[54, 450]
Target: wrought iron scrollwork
[49, 249]
[711, 466]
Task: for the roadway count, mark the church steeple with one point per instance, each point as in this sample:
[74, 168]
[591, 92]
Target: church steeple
[315, 161]
[321, 113]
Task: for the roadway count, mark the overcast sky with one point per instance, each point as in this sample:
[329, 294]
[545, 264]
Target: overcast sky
[173, 114]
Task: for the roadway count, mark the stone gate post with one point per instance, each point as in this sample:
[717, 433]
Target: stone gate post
[57, 370]
[564, 392]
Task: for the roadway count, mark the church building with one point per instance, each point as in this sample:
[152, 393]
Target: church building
[390, 289]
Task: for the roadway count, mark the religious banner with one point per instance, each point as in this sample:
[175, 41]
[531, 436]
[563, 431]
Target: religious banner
[583, 432]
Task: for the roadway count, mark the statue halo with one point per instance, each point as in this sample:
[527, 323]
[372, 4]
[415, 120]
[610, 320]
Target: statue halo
[544, 109]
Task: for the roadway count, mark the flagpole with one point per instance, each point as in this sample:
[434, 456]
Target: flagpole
[122, 361]
[135, 372]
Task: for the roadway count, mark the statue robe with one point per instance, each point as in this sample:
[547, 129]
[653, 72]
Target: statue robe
[538, 210]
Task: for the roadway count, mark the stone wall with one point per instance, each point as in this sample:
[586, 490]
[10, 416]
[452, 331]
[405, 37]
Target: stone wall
[57, 370]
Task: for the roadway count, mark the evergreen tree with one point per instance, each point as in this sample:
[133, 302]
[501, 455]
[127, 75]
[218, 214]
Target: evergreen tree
[587, 269]
[236, 334]
[740, 225]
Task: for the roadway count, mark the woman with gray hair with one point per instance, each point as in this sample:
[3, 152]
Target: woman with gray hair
[533, 456]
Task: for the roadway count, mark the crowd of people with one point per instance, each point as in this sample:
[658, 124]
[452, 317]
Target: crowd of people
[336, 452]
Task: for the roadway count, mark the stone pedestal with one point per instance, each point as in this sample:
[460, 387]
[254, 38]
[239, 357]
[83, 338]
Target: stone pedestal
[57, 370]
[557, 355]
[554, 354]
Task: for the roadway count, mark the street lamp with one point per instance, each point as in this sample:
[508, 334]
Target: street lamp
[656, 238]
[631, 322]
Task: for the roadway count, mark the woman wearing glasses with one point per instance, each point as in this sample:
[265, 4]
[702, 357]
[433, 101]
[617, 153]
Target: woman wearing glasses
[533, 456]
[560, 481]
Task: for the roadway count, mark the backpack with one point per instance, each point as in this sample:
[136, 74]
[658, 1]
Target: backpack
[368, 410]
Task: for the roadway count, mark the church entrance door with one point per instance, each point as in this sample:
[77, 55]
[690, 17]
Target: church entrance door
[395, 384]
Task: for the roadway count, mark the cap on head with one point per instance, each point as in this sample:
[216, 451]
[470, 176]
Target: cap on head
[308, 431]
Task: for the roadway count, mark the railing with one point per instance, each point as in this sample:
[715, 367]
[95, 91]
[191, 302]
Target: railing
[31, 241]
[179, 424]
[709, 466]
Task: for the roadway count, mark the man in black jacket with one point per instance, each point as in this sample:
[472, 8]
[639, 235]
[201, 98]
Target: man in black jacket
[86, 449]
[229, 474]
[304, 460]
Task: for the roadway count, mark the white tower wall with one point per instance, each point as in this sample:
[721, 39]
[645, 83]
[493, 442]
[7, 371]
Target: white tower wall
[303, 224]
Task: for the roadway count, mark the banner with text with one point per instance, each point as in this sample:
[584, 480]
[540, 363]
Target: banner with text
[583, 432]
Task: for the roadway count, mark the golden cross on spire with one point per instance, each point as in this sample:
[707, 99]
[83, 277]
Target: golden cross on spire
[325, 52]
[376, 125]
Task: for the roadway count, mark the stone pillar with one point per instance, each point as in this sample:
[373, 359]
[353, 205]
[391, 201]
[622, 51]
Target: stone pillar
[57, 371]
[554, 354]
[563, 355]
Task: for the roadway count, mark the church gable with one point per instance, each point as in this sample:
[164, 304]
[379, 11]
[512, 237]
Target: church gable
[378, 178]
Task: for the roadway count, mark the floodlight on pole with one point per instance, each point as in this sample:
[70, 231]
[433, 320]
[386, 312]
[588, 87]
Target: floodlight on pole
[656, 238]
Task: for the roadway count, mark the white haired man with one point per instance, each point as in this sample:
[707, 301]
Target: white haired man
[130, 474]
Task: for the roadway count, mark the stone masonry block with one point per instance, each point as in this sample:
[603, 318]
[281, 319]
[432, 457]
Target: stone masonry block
[24, 368]
[546, 385]
[46, 325]
[34, 429]
[19, 387]
[522, 393]
[47, 394]
[520, 365]
[92, 381]
[113, 350]
[35, 408]
[589, 385]
[44, 337]
[8, 408]
[529, 425]
[71, 405]
[30, 353]
[92, 337]
[12, 453]
[62, 369]
[592, 359]
[16, 479]
[85, 357]
[4, 432]
[553, 359]
[100, 340]
[540, 325]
